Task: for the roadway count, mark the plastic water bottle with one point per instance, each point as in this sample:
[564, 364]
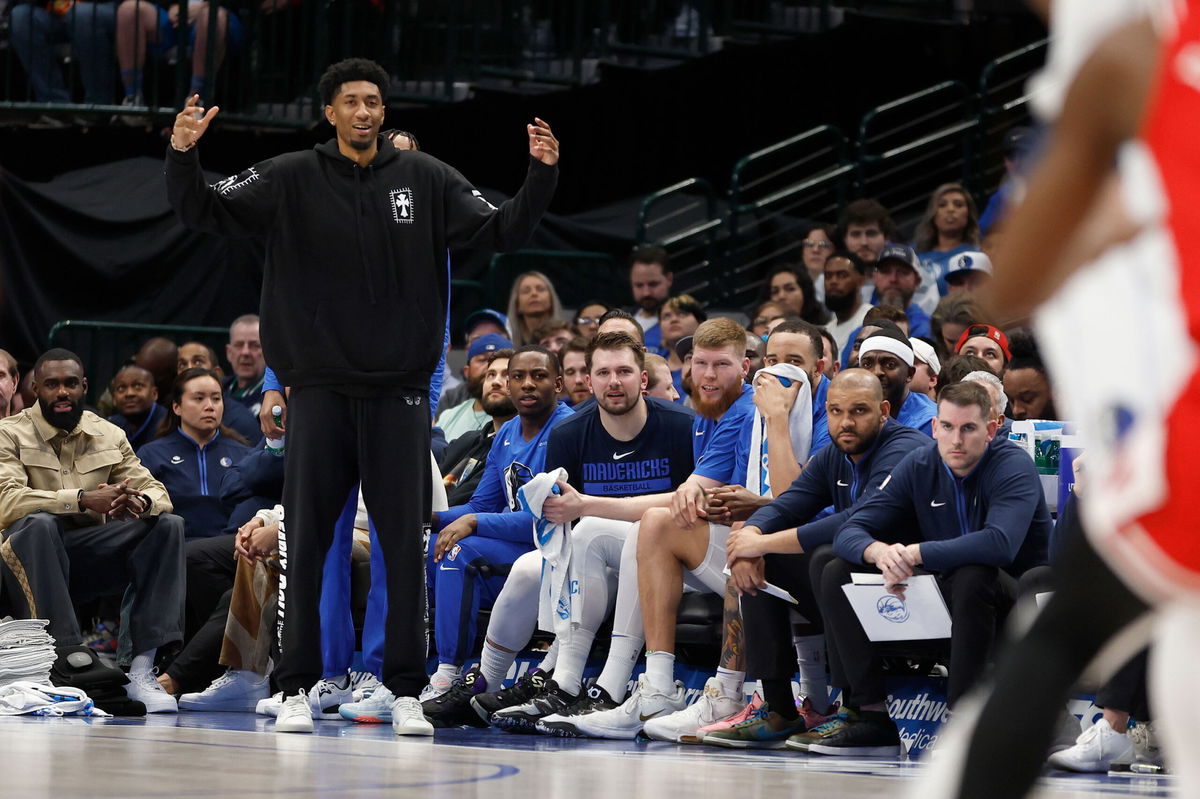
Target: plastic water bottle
[275, 445]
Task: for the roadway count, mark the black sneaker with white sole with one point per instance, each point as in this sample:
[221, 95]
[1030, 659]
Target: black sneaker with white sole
[594, 700]
[453, 708]
[524, 718]
[530, 685]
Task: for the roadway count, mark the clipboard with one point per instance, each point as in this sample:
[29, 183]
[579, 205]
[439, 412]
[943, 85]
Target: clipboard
[921, 615]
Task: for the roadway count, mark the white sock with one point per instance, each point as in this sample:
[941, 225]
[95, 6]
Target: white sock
[622, 656]
[660, 671]
[494, 663]
[448, 671]
[569, 673]
[143, 662]
[550, 659]
[814, 682]
[731, 681]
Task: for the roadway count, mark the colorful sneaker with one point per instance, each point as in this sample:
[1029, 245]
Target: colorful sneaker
[684, 725]
[438, 685]
[144, 687]
[871, 733]
[763, 730]
[363, 684]
[626, 720]
[756, 701]
[408, 718]
[594, 700]
[374, 709]
[237, 690]
[453, 708]
[813, 718]
[837, 721]
[524, 718]
[1094, 750]
[519, 693]
[295, 714]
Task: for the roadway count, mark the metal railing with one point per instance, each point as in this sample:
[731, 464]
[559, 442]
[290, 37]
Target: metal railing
[1004, 98]
[686, 219]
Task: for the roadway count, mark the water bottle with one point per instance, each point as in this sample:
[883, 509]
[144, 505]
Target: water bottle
[275, 445]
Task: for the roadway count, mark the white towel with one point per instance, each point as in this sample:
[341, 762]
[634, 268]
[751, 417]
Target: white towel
[555, 609]
[29, 698]
[799, 426]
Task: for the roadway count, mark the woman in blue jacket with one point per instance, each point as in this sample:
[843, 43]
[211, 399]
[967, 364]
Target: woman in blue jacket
[192, 451]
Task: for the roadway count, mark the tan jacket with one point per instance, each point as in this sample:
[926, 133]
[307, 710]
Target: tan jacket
[33, 478]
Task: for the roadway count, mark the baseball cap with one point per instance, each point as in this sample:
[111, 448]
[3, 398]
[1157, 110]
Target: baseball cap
[485, 315]
[984, 331]
[964, 262]
[899, 252]
[926, 355]
[489, 343]
[683, 347]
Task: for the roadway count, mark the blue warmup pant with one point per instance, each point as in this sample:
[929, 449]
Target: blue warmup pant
[337, 624]
[462, 583]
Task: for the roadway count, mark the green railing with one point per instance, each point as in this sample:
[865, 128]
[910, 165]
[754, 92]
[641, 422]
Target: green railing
[685, 219]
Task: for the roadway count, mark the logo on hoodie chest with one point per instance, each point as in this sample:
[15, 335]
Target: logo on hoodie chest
[402, 205]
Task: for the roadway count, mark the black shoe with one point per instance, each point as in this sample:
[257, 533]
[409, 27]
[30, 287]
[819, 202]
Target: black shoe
[524, 689]
[453, 708]
[593, 700]
[524, 718]
[872, 733]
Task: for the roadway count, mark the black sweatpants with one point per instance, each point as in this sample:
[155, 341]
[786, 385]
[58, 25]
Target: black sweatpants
[978, 597]
[334, 441]
[768, 620]
[210, 571]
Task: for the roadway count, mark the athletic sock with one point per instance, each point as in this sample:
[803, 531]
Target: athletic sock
[448, 671]
[494, 663]
[569, 674]
[660, 670]
[550, 659]
[777, 694]
[731, 681]
[143, 662]
[622, 655]
[814, 680]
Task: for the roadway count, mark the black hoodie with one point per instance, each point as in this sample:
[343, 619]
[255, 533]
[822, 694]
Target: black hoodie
[355, 284]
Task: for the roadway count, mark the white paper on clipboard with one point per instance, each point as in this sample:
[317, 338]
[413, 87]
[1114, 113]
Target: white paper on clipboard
[921, 615]
[773, 590]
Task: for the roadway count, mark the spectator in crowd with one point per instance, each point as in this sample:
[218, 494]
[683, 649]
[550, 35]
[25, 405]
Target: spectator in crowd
[995, 390]
[461, 465]
[478, 323]
[244, 353]
[953, 315]
[968, 271]
[470, 414]
[587, 319]
[136, 401]
[82, 519]
[1018, 142]
[660, 382]
[949, 226]
[928, 367]
[401, 139]
[160, 357]
[616, 319]
[195, 355]
[192, 449]
[491, 526]
[845, 274]
[38, 28]
[986, 342]
[833, 362]
[956, 367]
[764, 314]
[650, 279]
[531, 302]
[10, 378]
[790, 286]
[1026, 382]
[883, 317]
[817, 244]
[890, 357]
[553, 335]
[864, 227]
[144, 27]
[680, 316]
[576, 390]
[971, 514]
[778, 545]
[897, 278]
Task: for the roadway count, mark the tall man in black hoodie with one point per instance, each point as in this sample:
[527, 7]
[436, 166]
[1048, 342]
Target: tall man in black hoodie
[353, 308]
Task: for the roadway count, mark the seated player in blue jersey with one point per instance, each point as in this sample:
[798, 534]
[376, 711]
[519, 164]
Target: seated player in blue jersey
[491, 531]
[777, 545]
[624, 446]
[890, 357]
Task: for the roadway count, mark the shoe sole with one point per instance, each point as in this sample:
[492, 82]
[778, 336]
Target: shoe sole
[293, 728]
[366, 718]
[484, 714]
[854, 751]
[409, 731]
[515, 726]
[219, 707]
[739, 744]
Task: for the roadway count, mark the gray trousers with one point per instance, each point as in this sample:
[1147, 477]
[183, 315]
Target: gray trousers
[48, 568]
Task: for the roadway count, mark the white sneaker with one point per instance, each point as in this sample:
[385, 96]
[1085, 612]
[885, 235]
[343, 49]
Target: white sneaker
[237, 690]
[144, 688]
[363, 684]
[373, 709]
[624, 721]
[295, 715]
[1096, 748]
[270, 706]
[438, 684]
[408, 718]
[683, 726]
[327, 696]
[1146, 748]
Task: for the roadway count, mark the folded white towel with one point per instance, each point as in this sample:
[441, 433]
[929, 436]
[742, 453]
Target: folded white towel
[555, 609]
[799, 428]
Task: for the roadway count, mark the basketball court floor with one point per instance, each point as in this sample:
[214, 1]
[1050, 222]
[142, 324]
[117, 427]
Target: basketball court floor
[235, 754]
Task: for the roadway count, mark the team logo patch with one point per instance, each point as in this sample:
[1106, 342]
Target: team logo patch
[402, 205]
[892, 608]
[454, 550]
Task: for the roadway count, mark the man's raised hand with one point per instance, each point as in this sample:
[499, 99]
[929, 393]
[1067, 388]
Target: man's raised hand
[542, 144]
[191, 123]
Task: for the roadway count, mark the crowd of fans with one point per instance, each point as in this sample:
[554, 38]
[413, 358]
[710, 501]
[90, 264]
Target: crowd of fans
[853, 361]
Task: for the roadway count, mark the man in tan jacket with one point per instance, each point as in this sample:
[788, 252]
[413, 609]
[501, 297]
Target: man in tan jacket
[81, 518]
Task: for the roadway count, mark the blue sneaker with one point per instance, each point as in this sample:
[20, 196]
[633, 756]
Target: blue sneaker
[764, 729]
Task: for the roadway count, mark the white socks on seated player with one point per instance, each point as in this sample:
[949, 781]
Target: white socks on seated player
[143, 662]
[660, 671]
[814, 681]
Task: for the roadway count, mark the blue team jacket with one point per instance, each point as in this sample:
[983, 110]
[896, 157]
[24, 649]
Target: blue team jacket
[192, 477]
